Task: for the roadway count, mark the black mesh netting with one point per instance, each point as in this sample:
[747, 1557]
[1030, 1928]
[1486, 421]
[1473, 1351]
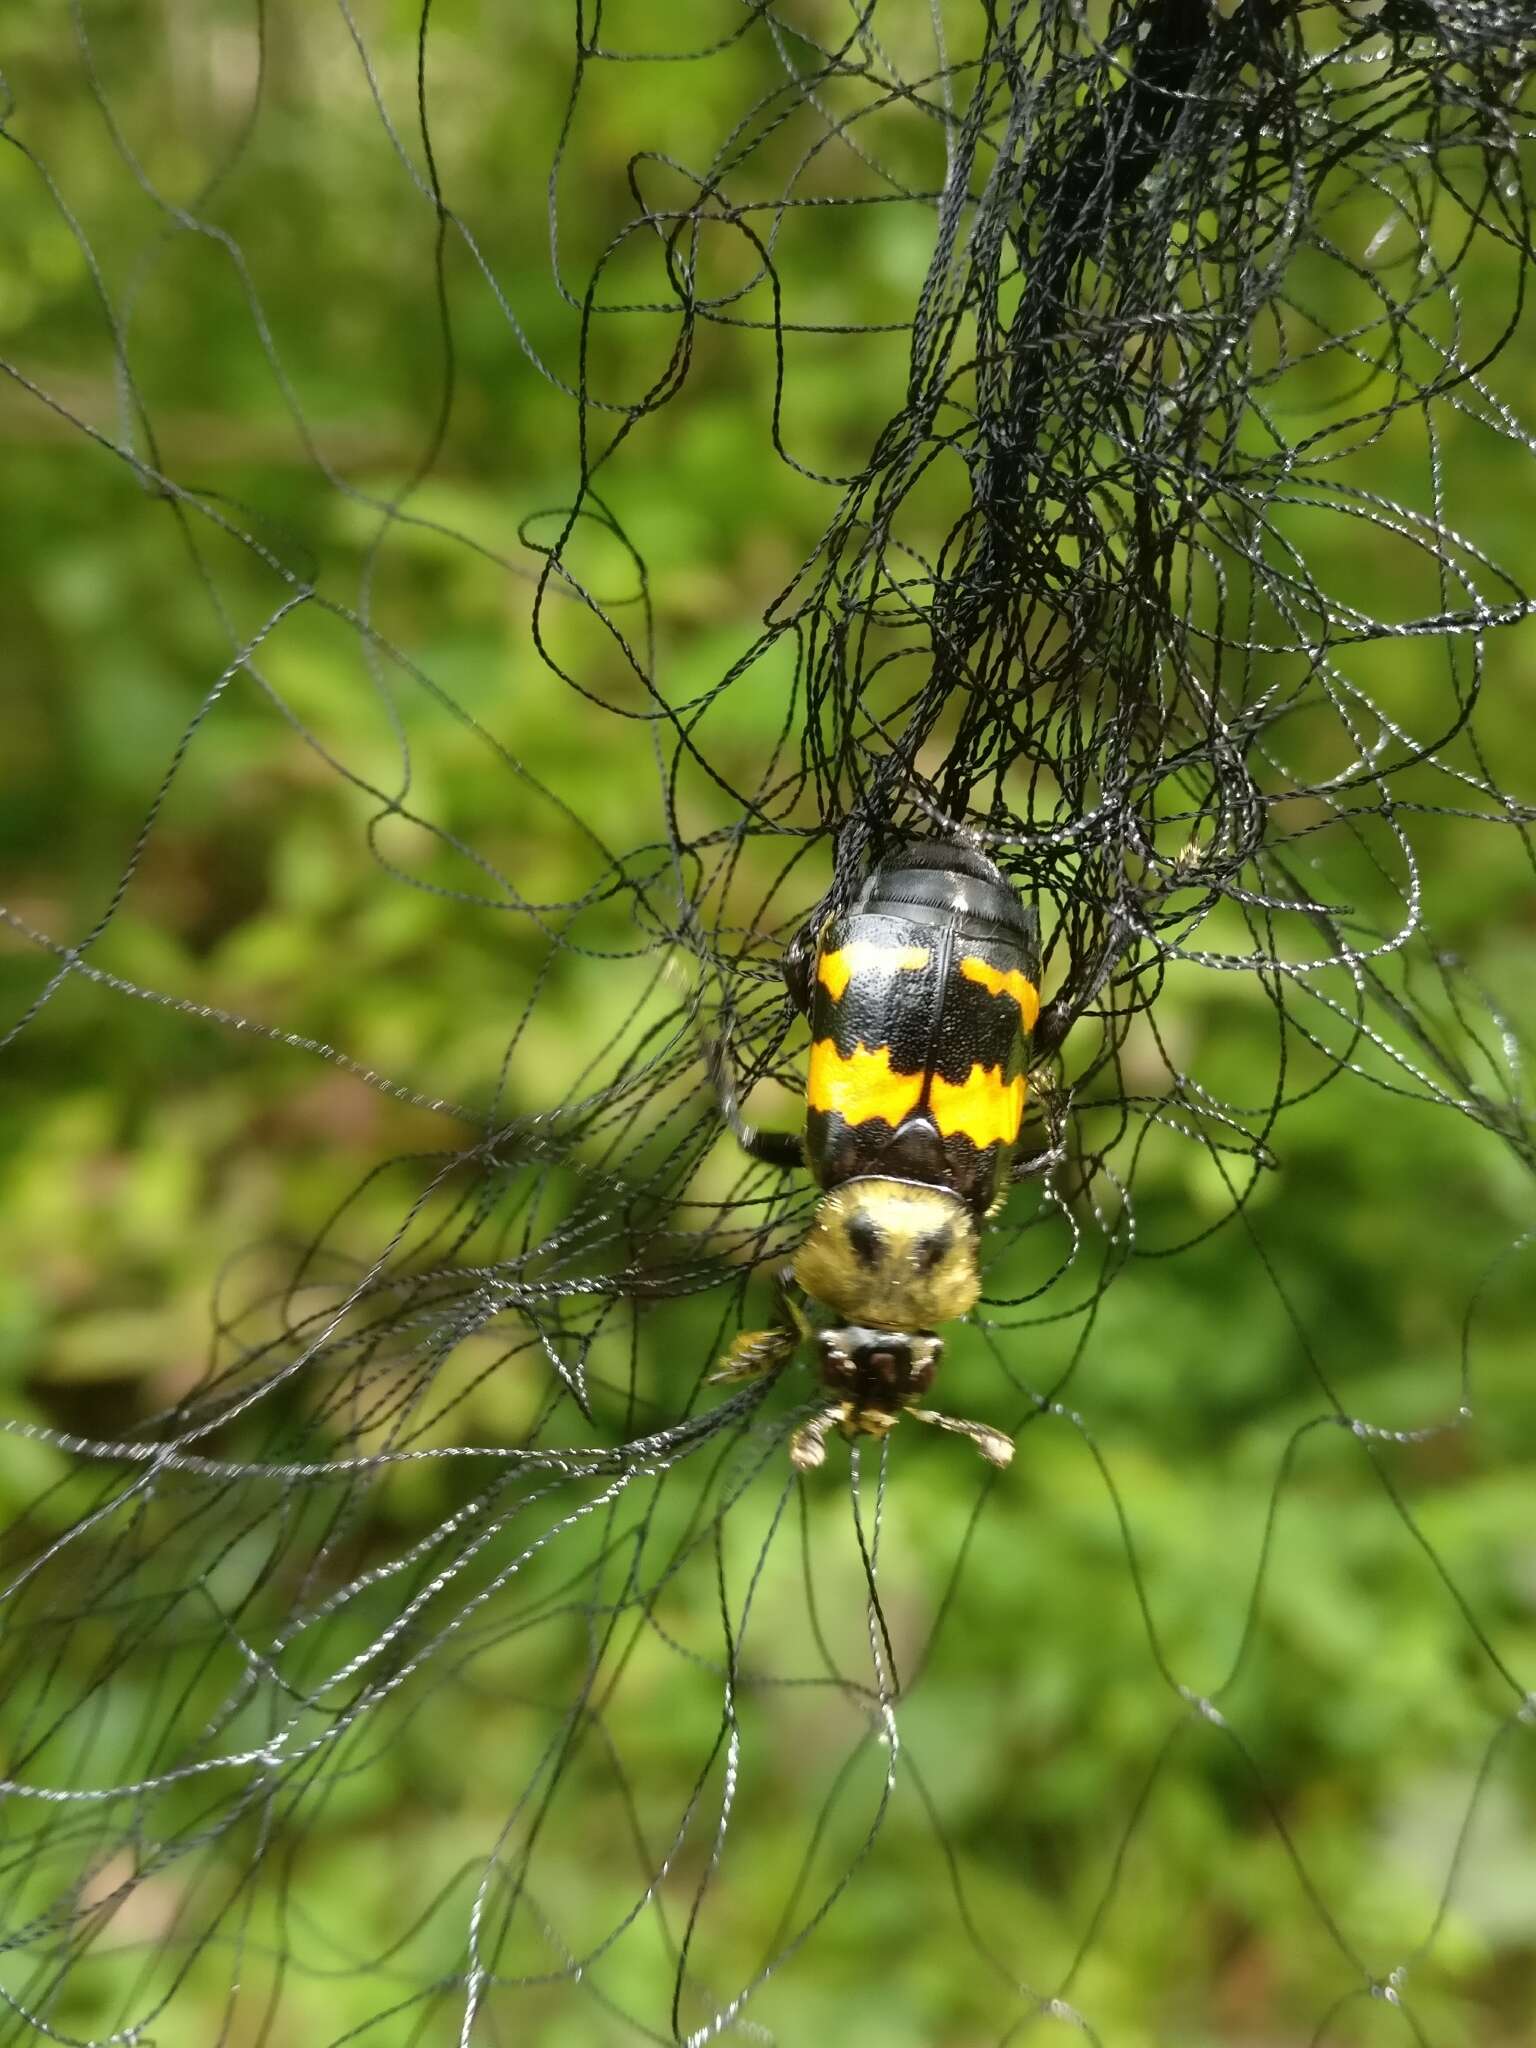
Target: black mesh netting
[471, 649]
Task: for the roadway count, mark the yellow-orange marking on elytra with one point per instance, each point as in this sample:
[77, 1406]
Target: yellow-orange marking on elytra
[860, 1085]
[983, 1107]
[999, 981]
[860, 956]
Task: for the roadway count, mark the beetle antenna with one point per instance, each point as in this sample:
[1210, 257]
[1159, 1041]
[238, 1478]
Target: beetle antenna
[994, 1445]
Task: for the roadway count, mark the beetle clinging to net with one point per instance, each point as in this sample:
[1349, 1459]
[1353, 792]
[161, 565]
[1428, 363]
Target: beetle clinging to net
[922, 1000]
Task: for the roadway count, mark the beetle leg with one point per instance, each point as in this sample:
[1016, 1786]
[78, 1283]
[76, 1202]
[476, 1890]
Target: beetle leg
[759, 1351]
[872, 1421]
[791, 1314]
[754, 1352]
[1053, 1102]
[993, 1445]
[800, 966]
[782, 1149]
[808, 1445]
[1037, 1163]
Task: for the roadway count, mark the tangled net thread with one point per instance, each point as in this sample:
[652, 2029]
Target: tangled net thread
[1123, 593]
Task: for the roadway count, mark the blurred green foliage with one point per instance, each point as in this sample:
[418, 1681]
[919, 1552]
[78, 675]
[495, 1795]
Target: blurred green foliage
[141, 1149]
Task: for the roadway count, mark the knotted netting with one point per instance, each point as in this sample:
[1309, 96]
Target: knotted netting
[508, 519]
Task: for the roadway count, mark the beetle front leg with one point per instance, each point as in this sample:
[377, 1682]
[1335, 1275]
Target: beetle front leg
[808, 1445]
[754, 1352]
